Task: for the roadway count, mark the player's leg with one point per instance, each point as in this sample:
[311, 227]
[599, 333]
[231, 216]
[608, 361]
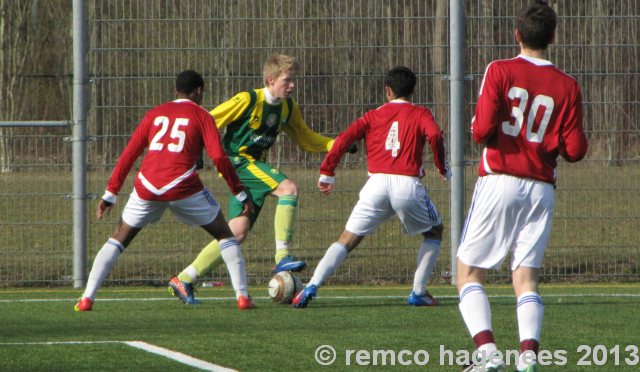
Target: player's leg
[283, 224]
[231, 253]
[334, 256]
[486, 240]
[202, 209]
[137, 213]
[474, 307]
[526, 262]
[261, 179]
[331, 260]
[418, 214]
[372, 208]
[425, 262]
[210, 256]
[103, 262]
[529, 311]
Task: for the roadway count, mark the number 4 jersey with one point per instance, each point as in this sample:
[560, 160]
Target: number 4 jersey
[528, 113]
[395, 135]
[174, 134]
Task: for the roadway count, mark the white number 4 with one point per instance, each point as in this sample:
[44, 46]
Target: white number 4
[392, 143]
[176, 133]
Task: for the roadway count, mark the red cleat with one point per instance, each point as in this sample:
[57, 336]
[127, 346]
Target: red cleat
[85, 304]
[245, 303]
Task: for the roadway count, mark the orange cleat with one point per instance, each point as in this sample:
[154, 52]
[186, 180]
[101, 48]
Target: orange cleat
[245, 303]
[85, 304]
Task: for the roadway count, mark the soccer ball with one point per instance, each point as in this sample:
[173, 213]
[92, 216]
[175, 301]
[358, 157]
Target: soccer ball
[283, 286]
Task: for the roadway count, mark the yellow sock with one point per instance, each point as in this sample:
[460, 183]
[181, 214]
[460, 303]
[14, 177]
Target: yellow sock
[208, 258]
[283, 224]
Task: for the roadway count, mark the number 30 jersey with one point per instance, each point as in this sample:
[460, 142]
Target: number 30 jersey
[174, 134]
[395, 135]
[528, 113]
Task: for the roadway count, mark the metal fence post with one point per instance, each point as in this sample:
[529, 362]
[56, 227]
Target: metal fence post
[456, 25]
[79, 142]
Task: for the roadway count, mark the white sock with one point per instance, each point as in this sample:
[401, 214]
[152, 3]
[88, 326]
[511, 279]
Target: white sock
[329, 263]
[427, 257]
[530, 310]
[474, 307]
[232, 256]
[192, 273]
[102, 264]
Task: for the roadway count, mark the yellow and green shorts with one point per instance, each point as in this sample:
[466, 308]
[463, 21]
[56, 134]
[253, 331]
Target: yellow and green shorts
[259, 179]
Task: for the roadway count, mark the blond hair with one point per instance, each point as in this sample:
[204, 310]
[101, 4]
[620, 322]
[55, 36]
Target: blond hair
[277, 65]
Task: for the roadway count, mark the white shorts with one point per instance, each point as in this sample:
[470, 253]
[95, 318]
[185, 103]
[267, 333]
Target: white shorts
[385, 195]
[507, 214]
[199, 209]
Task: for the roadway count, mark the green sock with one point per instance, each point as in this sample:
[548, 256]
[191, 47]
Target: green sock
[208, 258]
[283, 224]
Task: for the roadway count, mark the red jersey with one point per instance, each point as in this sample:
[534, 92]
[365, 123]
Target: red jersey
[395, 135]
[528, 113]
[174, 134]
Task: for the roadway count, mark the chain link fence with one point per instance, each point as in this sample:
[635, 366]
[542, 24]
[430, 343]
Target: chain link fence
[345, 48]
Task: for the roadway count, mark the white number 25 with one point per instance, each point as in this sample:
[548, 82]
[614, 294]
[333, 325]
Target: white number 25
[518, 114]
[176, 133]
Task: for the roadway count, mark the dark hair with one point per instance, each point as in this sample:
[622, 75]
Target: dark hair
[401, 80]
[187, 81]
[536, 25]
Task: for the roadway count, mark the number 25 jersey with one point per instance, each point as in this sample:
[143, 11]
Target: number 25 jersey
[528, 113]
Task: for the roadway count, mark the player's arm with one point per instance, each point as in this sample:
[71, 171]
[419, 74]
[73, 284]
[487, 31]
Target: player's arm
[304, 137]
[231, 110]
[136, 145]
[573, 144]
[345, 140]
[222, 163]
[435, 138]
[484, 124]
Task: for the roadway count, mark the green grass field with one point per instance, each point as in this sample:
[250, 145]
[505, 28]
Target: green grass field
[594, 237]
[37, 328]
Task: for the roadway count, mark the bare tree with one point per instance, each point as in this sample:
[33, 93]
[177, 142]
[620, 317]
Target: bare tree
[17, 41]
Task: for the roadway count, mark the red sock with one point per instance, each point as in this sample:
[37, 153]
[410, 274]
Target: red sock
[483, 337]
[530, 344]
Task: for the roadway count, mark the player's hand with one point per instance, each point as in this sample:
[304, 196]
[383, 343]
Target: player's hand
[103, 207]
[446, 176]
[247, 208]
[325, 188]
[352, 149]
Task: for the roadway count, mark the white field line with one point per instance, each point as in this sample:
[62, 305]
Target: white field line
[170, 354]
[329, 297]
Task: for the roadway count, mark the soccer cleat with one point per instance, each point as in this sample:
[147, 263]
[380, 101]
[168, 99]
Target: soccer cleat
[182, 290]
[302, 298]
[85, 304]
[289, 263]
[245, 303]
[424, 300]
[492, 363]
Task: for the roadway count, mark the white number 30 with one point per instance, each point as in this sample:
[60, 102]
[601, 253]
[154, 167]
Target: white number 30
[176, 133]
[518, 114]
[392, 143]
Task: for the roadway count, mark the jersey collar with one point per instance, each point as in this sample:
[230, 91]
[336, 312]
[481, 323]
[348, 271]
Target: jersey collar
[536, 61]
[269, 98]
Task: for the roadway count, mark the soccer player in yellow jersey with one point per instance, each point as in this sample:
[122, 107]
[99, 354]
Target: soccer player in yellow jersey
[253, 121]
